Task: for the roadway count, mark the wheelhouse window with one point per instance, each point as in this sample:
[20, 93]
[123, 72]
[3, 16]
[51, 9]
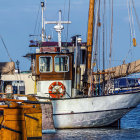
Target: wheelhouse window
[61, 63]
[45, 64]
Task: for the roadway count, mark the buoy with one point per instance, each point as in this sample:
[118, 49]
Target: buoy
[57, 93]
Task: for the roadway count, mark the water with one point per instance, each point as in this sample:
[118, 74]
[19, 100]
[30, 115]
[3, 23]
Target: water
[131, 119]
[130, 130]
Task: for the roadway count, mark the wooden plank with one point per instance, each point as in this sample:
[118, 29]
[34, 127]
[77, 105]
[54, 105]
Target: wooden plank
[17, 106]
[14, 117]
[34, 126]
[18, 126]
[13, 125]
[33, 110]
[13, 111]
[1, 118]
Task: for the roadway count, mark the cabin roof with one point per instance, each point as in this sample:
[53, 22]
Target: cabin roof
[50, 44]
[28, 55]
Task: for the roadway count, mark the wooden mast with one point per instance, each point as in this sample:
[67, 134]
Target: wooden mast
[89, 40]
[90, 34]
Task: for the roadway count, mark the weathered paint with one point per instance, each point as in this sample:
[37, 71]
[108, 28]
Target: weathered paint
[43, 87]
[92, 112]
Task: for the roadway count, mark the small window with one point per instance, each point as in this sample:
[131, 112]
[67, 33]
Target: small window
[61, 63]
[45, 64]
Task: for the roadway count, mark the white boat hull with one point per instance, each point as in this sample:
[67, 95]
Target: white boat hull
[93, 111]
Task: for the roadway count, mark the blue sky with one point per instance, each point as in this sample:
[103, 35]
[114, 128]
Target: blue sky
[18, 18]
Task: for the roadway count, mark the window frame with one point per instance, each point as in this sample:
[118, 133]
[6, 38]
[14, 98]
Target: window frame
[50, 63]
[67, 63]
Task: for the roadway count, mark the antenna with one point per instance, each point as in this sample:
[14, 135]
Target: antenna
[58, 27]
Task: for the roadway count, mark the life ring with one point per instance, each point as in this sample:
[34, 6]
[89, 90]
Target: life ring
[57, 90]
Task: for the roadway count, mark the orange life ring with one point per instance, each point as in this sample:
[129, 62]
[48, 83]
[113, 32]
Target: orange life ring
[57, 90]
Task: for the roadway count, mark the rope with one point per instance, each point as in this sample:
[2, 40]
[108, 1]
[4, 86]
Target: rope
[111, 40]
[131, 24]
[67, 34]
[95, 43]
[134, 34]
[111, 44]
[6, 48]
[131, 20]
[103, 45]
[138, 22]
[37, 19]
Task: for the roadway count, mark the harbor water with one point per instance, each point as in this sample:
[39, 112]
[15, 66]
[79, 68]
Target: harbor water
[130, 130]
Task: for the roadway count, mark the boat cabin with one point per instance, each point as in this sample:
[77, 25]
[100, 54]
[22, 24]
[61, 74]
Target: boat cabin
[52, 66]
[54, 73]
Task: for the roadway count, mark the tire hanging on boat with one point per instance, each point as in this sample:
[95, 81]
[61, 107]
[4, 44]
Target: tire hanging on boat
[57, 90]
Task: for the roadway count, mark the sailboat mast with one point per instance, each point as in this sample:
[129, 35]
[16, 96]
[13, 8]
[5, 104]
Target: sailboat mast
[89, 44]
[90, 35]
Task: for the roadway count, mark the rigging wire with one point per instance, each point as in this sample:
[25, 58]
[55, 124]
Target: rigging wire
[98, 46]
[111, 40]
[94, 50]
[131, 20]
[103, 43]
[68, 20]
[129, 51]
[64, 6]
[45, 36]
[134, 34]
[97, 40]
[132, 30]
[103, 36]
[37, 19]
[6, 48]
[137, 19]
[106, 27]
[111, 45]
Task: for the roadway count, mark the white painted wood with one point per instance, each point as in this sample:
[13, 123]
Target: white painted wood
[92, 112]
[43, 87]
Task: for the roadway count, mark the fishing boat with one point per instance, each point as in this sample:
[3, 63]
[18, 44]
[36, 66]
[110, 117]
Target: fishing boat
[64, 77]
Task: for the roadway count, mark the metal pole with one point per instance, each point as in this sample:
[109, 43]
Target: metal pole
[59, 32]
[42, 35]
[75, 82]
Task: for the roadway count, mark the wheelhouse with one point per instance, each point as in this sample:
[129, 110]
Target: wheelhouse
[52, 66]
